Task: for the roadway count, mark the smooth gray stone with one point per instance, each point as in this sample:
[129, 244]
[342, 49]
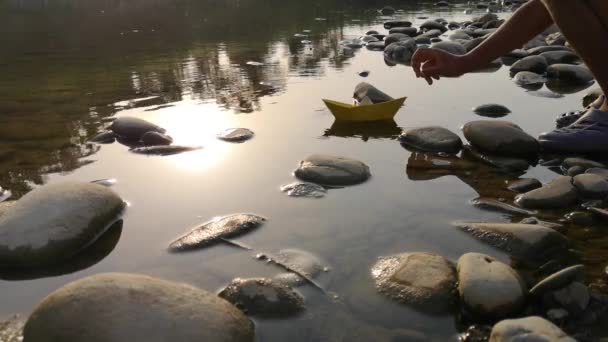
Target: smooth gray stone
[574, 298]
[263, 297]
[600, 171]
[54, 222]
[524, 78]
[560, 57]
[524, 185]
[236, 134]
[303, 189]
[518, 54]
[422, 280]
[459, 34]
[133, 128]
[432, 33]
[575, 171]
[488, 287]
[164, 150]
[433, 25]
[559, 193]
[558, 280]
[541, 49]
[401, 51]
[363, 90]
[395, 37]
[376, 46]
[534, 43]
[573, 74]
[473, 43]
[486, 18]
[369, 39]
[531, 243]
[529, 329]
[332, 170]
[122, 307]
[304, 263]
[409, 31]
[586, 163]
[492, 110]
[217, 229]
[156, 139]
[591, 186]
[431, 139]
[422, 39]
[451, 47]
[500, 137]
[536, 64]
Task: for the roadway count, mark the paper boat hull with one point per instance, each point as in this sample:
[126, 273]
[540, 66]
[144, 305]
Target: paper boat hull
[375, 112]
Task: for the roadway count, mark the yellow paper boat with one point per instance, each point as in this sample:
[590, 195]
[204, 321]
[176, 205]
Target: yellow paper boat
[373, 112]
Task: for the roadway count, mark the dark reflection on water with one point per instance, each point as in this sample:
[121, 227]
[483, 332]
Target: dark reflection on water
[364, 130]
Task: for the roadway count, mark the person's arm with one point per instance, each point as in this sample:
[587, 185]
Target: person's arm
[527, 22]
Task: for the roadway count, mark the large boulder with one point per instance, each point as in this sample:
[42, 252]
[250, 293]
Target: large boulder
[530, 329]
[488, 287]
[332, 170]
[54, 222]
[431, 139]
[133, 129]
[129, 307]
[559, 193]
[422, 280]
[500, 137]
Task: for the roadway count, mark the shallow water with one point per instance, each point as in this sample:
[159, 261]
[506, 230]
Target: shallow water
[65, 69]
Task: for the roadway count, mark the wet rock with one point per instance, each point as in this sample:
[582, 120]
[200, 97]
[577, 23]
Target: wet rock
[600, 171]
[363, 73]
[559, 193]
[422, 39]
[432, 34]
[488, 287]
[579, 218]
[371, 32]
[217, 229]
[541, 49]
[524, 185]
[304, 263]
[156, 139]
[408, 31]
[558, 280]
[164, 150]
[105, 137]
[528, 329]
[433, 25]
[302, 189]
[591, 186]
[473, 43]
[517, 54]
[460, 34]
[363, 90]
[534, 43]
[332, 170]
[575, 171]
[560, 57]
[536, 64]
[574, 298]
[236, 134]
[401, 51]
[496, 205]
[524, 78]
[591, 96]
[395, 37]
[531, 243]
[128, 307]
[425, 281]
[501, 162]
[431, 139]
[54, 222]
[451, 47]
[500, 137]
[397, 23]
[492, 110]
[573, 74]
[488, 17]
[263, 297]
[11, 330]
[132, 128]
[387, 10]
[375, 46]
[586, 163]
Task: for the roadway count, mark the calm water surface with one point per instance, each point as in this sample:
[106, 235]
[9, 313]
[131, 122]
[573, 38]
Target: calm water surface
[66, 69]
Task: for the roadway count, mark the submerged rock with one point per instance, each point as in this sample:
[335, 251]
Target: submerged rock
[164, 150]
[500, 137]
[528, 329]
[536, 64]
[492, 110]
[303, 263]
[303, 189]
[425, 281]
[530, 243]
[558, 280]
[217, 229]
[54, 222]
[263, 297]
[128, 307]
[132, 128]
[332, 170]
[431, 139]
[559, 193]
[236, 134]
[488, 287]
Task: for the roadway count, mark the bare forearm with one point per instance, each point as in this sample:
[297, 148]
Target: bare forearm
[525, 24]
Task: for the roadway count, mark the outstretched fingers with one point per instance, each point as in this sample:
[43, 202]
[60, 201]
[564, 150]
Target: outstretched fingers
[420, 57]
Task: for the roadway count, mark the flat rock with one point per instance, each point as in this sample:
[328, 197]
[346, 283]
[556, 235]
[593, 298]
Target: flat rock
[303, 189]
[524, 185]
[397, 23]
[531, 243]
[500, 137]
[568, 73]
[559, 193]
[423, 280]
[236, 134]
[488, 287]
[591, 186]
[332, 170]
[54, 222]
[528, 329]
[431, 139]
[536, 64]
[129, 307]
[451, 47]
[263, 297]
[558, 280]
[164, 150]
[132, 128]
[492, 110]
[214, 231]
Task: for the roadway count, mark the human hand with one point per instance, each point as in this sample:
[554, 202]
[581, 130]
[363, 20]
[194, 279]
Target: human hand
[434, 64]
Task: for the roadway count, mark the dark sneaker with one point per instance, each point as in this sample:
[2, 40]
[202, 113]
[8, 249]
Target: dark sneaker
[567, 119]
[587, 135]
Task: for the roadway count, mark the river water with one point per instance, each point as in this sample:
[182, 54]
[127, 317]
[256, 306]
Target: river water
[66, 68]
